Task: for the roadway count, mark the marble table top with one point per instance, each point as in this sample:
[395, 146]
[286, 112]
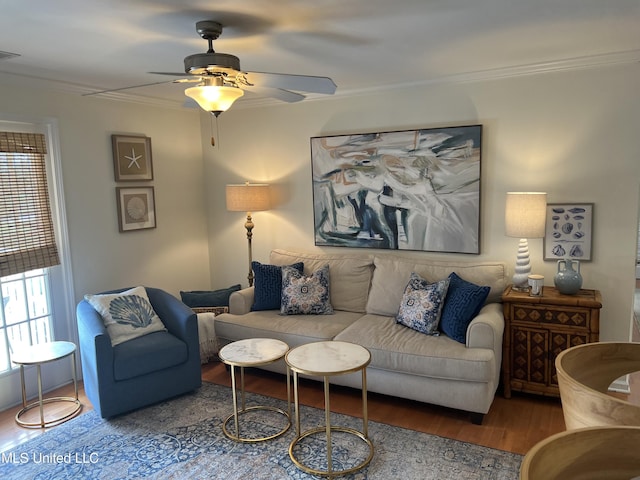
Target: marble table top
[328, 358]
[42, 353]
[253, 351]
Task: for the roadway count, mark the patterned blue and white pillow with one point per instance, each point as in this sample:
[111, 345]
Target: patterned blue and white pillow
[126, 315]
[464, 301]
[267, 287]
[305, 295]
[422, 304]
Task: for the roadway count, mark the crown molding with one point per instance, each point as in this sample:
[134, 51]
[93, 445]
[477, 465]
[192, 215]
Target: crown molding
[577, 63]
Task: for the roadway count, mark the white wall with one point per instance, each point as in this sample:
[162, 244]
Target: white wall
[573, 134]
[173, 256]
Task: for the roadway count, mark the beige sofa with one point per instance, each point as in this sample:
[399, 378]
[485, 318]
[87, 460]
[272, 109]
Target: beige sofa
[366, 291]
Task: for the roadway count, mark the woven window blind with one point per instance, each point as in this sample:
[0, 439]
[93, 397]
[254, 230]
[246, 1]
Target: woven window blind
[27, 239]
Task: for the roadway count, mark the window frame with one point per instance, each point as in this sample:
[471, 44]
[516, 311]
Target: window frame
[60, 283]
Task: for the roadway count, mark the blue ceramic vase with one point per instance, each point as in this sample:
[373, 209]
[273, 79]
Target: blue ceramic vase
[568, 280]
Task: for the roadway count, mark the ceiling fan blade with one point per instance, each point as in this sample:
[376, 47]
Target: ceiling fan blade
[126, 88]
[277, 93]
[301, 83]
[173, 74]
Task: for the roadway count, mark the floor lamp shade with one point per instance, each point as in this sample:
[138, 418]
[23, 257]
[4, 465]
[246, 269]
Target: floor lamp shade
[525, 216]
[248, 198]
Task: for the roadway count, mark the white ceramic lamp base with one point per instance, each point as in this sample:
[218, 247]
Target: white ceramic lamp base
[523, 267]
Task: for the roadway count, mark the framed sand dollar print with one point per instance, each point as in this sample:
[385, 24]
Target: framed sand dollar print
[132, 158]
[136, 208]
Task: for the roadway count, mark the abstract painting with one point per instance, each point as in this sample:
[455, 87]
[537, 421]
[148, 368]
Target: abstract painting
[400, 190]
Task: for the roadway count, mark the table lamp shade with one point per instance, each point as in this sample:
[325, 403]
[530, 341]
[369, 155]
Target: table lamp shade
[248, 197]
[525, 214]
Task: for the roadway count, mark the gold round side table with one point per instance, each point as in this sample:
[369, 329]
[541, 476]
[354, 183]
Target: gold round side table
[325, 359]
[253, 352]
[38, 355]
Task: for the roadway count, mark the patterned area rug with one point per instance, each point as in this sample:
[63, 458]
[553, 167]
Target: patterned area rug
[182, 438]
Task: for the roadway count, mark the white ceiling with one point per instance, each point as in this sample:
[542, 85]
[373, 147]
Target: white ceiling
[82, 46]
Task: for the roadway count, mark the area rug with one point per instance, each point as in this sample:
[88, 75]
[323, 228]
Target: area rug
[182, 438]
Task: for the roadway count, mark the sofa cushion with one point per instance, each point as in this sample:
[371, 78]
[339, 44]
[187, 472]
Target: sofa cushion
[126, 315]
[268, 285]
[208, 298]
[294, 330]
[399, 349]
[463, 302]
[421, 304]
[144, 355]
[305, 294]
[392, 273]
[350, 275]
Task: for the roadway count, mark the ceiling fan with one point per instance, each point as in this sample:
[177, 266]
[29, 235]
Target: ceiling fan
[221, 81]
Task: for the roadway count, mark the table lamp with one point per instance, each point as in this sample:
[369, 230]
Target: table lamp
[248, 198]
[525, 216]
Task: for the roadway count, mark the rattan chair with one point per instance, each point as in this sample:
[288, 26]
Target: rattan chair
[603, 453]
[585, 373]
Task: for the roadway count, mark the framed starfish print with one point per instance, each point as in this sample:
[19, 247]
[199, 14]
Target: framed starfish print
[132, 158]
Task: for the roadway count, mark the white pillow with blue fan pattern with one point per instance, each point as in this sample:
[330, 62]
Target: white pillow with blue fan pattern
[126, 315]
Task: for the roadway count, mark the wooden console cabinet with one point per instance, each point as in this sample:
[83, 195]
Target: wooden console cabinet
[537, 329]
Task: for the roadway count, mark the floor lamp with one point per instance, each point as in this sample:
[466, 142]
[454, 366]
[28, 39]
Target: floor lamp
[248, 198]
[525, 216]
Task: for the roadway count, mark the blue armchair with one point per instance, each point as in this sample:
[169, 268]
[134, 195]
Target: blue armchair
[144, 370]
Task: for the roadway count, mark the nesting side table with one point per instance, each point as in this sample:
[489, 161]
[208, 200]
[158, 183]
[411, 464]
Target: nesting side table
[326, 359]
[253, 352]
[37, 355]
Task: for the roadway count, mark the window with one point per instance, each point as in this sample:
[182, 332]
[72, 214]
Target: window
[25, 316]
[27, 243]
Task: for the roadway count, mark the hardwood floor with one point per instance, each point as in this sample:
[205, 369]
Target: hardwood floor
[514, 425]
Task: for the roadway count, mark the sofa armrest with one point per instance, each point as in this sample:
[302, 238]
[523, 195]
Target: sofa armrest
[240, 302]
[486, 329]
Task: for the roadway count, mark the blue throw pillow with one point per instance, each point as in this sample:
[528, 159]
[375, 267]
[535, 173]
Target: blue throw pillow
[267, 284]
[306, 295]
[464, 301]
[421, 304]
[208, 298]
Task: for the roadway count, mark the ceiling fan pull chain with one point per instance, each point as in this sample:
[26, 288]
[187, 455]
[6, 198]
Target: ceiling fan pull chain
[213, 140]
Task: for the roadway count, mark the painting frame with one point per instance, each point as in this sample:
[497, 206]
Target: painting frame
[416, 189]
[569, 231]
[136, 208]
[132, 158]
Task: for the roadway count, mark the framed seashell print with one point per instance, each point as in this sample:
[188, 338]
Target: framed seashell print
[132, 158]
[136, 208]
[568, 231]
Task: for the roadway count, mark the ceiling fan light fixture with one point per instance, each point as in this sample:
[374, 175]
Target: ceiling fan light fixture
[213, 98]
